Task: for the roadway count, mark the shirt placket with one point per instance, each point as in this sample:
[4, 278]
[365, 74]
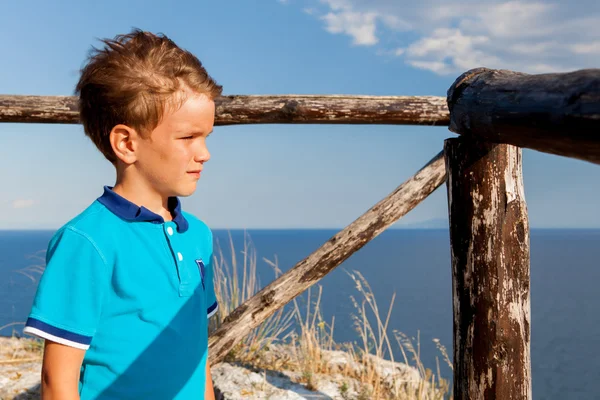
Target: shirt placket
[183, 273]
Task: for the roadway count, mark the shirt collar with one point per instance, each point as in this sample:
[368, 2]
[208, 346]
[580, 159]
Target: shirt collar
[129, 211]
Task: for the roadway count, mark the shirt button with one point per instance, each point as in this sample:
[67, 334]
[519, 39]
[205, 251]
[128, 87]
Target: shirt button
[170, 231]
[180, 256]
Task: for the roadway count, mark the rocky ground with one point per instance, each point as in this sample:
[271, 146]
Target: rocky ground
[20, 365]
[236, 382]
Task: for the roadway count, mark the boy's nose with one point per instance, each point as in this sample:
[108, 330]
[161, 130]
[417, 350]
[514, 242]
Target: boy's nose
[203, 155]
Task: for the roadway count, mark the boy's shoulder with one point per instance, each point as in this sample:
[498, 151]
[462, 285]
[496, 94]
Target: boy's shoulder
[196, 225]
[89, 223]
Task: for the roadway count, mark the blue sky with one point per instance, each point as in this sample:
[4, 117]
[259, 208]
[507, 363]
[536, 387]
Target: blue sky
[293, 176]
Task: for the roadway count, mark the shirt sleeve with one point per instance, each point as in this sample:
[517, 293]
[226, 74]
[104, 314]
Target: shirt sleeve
[211, 298]
[68, 302]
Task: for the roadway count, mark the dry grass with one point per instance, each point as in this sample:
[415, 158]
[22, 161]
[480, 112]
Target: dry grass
[307, 344]
[14, 350]
[231, 291]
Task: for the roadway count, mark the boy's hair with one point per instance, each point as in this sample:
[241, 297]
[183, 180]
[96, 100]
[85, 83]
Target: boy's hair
[132, 80]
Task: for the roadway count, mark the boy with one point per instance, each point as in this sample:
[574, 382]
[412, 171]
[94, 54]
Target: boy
[128, 286]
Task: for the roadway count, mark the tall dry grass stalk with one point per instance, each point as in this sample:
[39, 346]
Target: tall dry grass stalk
[307, 342]
[375, 346]
[231, 291]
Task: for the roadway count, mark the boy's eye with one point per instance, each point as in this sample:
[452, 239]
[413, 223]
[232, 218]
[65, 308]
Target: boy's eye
[187, 137]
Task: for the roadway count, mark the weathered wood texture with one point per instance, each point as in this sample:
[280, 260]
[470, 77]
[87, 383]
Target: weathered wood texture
[489, 236]
[392, 110]
[553, 113]
[42, 109]
[331, 254]
[231, 110]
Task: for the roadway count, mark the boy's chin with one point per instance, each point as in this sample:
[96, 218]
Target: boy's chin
[186, 191]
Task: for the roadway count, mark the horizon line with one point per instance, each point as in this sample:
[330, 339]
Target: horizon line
[405, 228]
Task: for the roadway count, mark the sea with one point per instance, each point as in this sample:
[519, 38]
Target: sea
[411, 266]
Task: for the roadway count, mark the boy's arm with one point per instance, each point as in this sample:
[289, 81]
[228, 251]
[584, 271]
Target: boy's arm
[60, 371]
[210, 390]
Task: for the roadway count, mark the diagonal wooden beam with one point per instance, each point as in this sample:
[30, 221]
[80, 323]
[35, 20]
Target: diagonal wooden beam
[332, 253]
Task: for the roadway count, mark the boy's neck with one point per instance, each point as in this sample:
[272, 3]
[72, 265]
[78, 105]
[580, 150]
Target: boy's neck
[141, 195]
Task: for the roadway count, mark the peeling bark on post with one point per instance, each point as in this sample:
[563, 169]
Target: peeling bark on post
[277, 109]
[331, 254]
[489, 238]
[553, 113]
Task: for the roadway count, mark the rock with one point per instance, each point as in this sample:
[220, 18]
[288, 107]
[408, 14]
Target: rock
[19, 378]
[236, 382]
[233, 382]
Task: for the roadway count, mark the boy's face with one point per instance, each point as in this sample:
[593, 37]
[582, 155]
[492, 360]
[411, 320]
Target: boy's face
[171, 158]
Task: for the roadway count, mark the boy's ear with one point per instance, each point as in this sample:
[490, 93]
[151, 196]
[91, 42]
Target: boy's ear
[123, 141]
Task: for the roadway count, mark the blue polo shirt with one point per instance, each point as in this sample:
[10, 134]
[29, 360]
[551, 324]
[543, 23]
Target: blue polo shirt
[136, 293]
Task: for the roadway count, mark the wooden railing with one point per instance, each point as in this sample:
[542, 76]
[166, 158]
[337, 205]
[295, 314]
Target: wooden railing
[233, 110]
[496, 113]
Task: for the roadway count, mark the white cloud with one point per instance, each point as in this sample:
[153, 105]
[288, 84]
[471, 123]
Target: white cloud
[361, 26]
[586, 48]
[512, 20]
[445, 42]
[450, 36]
[23, 203]
[337, 5]
[459, 49]
[435, 66]
[394, 22]
[535, 48]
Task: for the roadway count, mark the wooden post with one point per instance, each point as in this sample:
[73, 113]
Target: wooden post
[489, 236]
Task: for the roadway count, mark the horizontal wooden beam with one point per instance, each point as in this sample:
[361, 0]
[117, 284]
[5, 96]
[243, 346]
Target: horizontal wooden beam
[284, 109]
[39, 109]
[393, 110]
[309, 271]
[554, 113]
